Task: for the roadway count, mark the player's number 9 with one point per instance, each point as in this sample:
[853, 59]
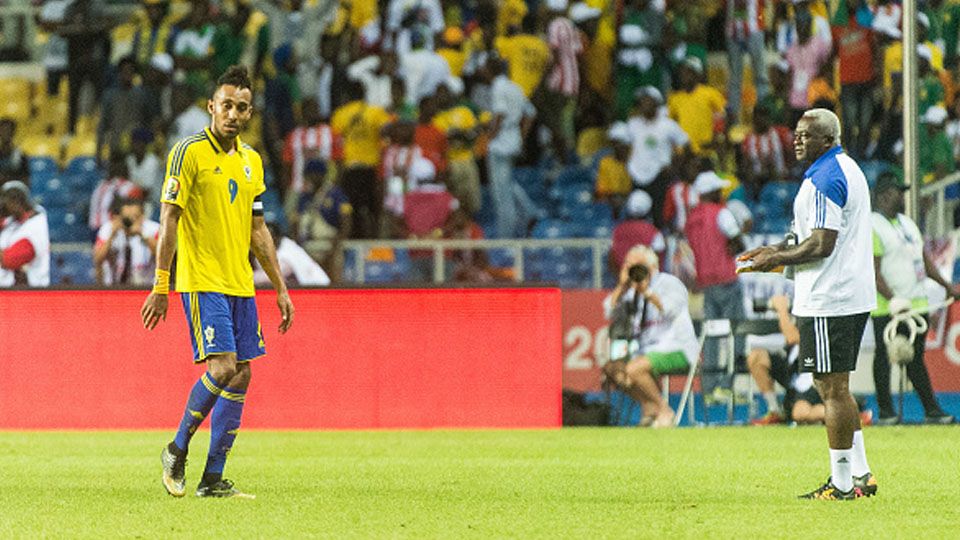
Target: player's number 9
[233, 187]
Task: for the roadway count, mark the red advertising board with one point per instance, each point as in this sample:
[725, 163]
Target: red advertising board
[354, 359]
[944, 363]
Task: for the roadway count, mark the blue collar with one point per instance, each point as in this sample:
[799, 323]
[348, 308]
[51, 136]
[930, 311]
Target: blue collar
[827, 156]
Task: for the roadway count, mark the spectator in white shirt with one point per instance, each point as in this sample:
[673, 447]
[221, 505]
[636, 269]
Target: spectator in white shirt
[375, 73]
[125, 246]
[24, 238]
[189, 118]
[661, 337]
[143, 164]
[423, 70]
[656, 140]
[512, 114]
[408, 18]
[296, 265]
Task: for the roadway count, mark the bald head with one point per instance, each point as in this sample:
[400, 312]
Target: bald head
[817, 132]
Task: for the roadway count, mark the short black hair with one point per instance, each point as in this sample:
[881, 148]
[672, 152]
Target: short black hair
[235, 76]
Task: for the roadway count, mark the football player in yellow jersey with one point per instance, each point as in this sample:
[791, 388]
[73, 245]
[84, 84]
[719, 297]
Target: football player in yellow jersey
[212, 217]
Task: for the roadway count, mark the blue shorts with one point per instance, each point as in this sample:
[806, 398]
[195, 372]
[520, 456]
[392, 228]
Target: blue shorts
[220, 323]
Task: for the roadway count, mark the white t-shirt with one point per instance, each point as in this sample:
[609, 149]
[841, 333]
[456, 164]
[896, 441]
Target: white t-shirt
[834, 195]
[508, 100]
[423, 72]
[653, 144]
[148, 174]
[670, 330]
[141, 257]
[901, 263]
[36, 230]
[295, 262]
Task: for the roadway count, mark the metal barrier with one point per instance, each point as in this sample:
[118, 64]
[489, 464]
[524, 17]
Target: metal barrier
[939, 217]
[589, 257]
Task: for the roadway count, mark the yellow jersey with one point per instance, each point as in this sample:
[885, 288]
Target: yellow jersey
[695, 112]
[216, 192]
[359, 125]
[527, 58]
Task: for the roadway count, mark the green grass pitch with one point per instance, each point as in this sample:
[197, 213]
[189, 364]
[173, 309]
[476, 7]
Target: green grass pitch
[570, 483]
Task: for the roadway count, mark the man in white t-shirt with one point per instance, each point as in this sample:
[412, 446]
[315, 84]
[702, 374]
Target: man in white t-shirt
[662, 339]
[24, 239]
[834, 289]
[124, 251]
[296, 265]
[656, 139]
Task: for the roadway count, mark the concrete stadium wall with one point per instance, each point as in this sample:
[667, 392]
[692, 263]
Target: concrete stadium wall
[354, 359]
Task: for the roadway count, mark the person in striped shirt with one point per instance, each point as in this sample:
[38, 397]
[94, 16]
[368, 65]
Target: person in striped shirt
[745, 36]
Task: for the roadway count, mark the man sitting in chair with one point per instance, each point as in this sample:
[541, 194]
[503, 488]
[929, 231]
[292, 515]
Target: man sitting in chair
[661, 336]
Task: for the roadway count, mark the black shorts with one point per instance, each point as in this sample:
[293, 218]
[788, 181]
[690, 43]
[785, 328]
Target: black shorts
[830, 344]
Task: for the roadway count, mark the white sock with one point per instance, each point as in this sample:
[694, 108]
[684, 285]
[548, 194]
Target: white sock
[772, 404]
[859, 466]
[840, 473]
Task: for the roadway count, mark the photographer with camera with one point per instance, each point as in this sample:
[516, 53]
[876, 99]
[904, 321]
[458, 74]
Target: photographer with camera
[649, 310]
[125, 246]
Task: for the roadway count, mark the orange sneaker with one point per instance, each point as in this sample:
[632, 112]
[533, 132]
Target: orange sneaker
[769, 419]
[866, 417]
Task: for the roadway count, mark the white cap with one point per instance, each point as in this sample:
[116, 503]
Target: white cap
[935, 115]
[423, 170]
[557, 5]
[454, 84]
[923, 19]
[782, 64]
[694, 63]
[162, 62]
[649, 91]
[923, 51]
[638, 204]
[619, 132]
[15, 185]
[887, 27]
[581, 12]
[740, 211]
[708, 182]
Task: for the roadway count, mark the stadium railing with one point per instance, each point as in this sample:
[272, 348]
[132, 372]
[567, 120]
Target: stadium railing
[571, 263]
[939, 216]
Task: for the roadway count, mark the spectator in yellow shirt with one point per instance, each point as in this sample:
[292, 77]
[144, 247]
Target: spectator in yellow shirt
[460, 125]
[696, 106]
[613, 181]
[359, 125]
[451, 49]
[527, 56]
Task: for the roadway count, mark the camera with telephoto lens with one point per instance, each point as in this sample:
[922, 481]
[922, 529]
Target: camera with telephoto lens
[638, 273]
[127, 222]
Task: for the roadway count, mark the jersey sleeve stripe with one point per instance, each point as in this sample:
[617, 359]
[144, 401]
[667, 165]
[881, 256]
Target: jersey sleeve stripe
[177, 164]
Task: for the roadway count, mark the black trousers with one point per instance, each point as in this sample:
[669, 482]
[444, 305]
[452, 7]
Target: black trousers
[916, 372]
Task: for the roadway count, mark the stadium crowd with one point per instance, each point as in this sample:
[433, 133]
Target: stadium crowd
[471, 119]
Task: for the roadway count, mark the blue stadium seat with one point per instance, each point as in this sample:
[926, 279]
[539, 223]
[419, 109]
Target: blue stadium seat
[500, 257]
[573, 198]
[549, 229]
[40, 167]
[779, 194]
[81, 164]
[532, 181]
[590, 213]
[74, 267]
[575, 175]
[66, 226]
[388, 271]
[82, 183]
